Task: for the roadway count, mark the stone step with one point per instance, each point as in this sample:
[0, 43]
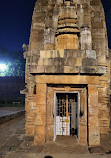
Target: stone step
[67, 140]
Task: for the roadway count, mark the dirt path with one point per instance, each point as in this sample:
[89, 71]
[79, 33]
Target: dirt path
[11, 135]
[14, 145]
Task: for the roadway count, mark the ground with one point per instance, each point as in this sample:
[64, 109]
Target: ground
[13, 144]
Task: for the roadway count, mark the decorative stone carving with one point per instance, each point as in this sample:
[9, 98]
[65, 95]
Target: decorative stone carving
[85, 38]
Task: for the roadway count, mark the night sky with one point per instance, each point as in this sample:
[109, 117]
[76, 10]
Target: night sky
[107, 8]
[15, 22]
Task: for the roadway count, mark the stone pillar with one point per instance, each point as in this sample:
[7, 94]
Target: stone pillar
[93, 120]
[83, 117]
[85, 38]
[40, 121]
[49, 39]
[81, 15]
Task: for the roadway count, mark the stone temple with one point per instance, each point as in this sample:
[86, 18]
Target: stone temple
[67, 72]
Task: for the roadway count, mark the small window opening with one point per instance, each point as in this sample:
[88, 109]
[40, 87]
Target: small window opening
[34, 92]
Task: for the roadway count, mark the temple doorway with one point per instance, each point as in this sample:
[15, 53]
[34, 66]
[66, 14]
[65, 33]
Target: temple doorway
[67, 114]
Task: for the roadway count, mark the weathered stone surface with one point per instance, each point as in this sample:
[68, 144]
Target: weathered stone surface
[64, 79]
[89, 62]
[41, 89]
[91, 54]
[39, 137]
[67, 62]
[40, 120]
[41, 98]
[68, 53]
[40, 109]
[94, 129]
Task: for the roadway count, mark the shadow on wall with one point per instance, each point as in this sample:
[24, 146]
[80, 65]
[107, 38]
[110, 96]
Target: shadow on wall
[48, 157]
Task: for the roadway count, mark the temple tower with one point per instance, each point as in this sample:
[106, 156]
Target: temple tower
[67, 72]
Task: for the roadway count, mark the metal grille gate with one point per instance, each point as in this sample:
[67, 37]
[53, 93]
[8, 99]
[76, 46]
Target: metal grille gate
[67, 114]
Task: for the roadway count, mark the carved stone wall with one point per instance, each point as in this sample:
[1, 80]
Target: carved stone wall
[68, 37]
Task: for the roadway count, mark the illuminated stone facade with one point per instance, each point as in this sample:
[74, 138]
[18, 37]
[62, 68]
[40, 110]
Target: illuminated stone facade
[67, 54]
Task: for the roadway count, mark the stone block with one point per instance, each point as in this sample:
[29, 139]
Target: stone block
[29, 130]
[59, 69]
[78, 62]
[94, 136]
[41, 99]
[49, 133]
[89, 62]
[38, 24]
[83, 137]
[40, 120]
[61, 52]
[58, 61]
[71, 79]
[68, 53]
[49, 47]
[88, 69]
[101, 69]
[93, 97]
[70, 62]
[40, 62]
[38, 34]
[104, 131]
[67, 41]
[46, 61]
[50, 69]
[93, 101]
[93, 90]
[39, 135]
[41, 109]
[48, 54]
[41, 88]
[93, 120]
[98, 25]
[94, 2]
[92, 111]
[91, 54]
[50, 118]
[72, 53]
[55, 53]
[40, 69]
[67, 69]
[42, 54]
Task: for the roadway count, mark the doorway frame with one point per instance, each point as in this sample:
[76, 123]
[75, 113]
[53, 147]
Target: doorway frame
[55, 104]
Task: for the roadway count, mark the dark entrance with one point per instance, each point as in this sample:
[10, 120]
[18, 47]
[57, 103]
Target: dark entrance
[67, 114]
